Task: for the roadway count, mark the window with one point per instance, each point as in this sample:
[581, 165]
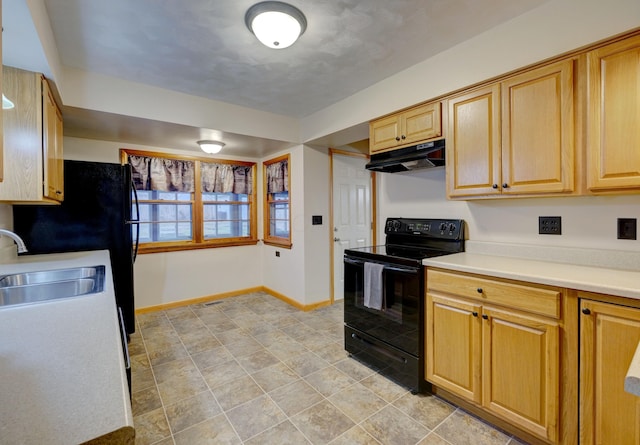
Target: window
[277, 209]
[192, 203]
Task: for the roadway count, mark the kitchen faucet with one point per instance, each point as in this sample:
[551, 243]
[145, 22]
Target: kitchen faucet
[21, 247]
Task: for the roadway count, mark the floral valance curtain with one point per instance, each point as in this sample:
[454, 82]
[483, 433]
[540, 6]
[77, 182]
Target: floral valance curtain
[278, 177]
[170, 175]
[166, 175]
[226, 178]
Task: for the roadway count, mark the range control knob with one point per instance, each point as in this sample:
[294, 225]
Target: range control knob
[443, 226]
[452, 227]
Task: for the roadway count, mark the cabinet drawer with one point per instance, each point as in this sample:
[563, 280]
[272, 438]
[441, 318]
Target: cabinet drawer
[543, 300]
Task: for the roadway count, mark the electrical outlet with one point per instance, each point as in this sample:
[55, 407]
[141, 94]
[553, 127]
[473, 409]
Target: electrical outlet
[277, 253]
[550, 225]
[627, 228]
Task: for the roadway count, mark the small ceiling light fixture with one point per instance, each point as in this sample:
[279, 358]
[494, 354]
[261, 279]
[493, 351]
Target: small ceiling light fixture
[211, 147]
[276, 24]
[6, 103]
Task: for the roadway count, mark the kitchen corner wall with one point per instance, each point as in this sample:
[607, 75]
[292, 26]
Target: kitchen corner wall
[587, 221]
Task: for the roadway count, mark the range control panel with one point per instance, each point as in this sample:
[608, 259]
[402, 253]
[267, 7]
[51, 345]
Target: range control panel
[439, 228]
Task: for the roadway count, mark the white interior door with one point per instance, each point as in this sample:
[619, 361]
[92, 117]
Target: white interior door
[351, 212]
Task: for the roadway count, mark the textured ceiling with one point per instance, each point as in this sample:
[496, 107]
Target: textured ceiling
[202, 47]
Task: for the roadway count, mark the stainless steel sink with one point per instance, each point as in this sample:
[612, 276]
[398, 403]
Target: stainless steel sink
[39, 286]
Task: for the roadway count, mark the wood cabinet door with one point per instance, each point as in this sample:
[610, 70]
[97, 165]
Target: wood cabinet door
[609, 336]
[613, 116]
[473, 164]
[49, 127]
[520, 370]
[383, 134]
[453, 345]
[538, 131]
[420, 123]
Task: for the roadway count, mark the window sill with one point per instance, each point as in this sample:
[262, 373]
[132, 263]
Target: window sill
[174, 247]
[285, 244]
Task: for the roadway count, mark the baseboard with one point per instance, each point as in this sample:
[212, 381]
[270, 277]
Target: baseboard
[235, 293]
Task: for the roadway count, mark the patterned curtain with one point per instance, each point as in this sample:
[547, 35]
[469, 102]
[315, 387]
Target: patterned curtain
[166, 175]
[278, 177]
[226, 178]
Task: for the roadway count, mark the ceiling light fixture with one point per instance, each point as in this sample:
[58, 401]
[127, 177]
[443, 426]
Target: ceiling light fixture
[211, 147]
[276, 24]
[6, 103]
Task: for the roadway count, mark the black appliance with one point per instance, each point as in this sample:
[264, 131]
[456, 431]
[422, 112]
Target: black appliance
[390, 337]
[426, 155]
[95, 215]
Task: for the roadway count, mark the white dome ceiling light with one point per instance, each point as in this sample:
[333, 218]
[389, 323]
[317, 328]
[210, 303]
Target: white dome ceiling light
[211, 147]
[276, 24]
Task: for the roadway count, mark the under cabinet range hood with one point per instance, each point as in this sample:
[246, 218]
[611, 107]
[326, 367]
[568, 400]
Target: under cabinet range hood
[426, 155]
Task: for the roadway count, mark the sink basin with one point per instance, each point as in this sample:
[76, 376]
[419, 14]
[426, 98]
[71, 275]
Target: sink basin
[48, 276]
[39, 286]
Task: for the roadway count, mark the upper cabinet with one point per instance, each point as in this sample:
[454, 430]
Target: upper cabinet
[613, 117]
[32, 140]
[405, 128]
[515, 137]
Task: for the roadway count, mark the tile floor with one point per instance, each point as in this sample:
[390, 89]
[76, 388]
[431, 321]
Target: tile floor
[254, 370]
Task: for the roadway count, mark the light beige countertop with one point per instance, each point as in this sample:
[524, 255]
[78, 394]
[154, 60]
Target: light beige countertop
[607, 272]
[62, 371]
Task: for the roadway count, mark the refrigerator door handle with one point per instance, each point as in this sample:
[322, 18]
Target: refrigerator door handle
[136, 221]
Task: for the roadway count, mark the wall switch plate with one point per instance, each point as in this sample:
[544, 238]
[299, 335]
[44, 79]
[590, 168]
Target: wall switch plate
[627, 228]
[316, 220]
[550, 225]
[277, 253]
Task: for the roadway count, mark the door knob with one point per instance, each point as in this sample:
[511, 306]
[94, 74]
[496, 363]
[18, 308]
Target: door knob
[336, 239]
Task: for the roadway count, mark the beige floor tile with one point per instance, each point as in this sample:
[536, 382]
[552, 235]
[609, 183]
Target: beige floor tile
[181, 386]
[295, 397]
[145, 400]
[427, 409]
[142, 379]
[255, 416]
[213, 431]
[287, 349]
[174, 368]
[357, 402]
[236, 392]
[283, 434]
[433, 439]
[355, 436]
[305, 364]
[384, 387]
[151, 427]
[274, 376]
[244, 347]
[392, 427]
[211, 357]
[193, 410]
[329, 380]
[257, 361]
[354, 368]
[223, 374]
[332, 352]
[460, 428]
[322, 423]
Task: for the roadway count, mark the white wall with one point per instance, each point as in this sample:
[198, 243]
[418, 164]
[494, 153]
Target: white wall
[587, 221]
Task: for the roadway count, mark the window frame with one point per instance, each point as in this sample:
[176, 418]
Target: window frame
[198, 240]
[267, 238]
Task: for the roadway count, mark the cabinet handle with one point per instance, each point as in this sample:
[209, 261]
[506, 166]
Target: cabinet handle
[495, 186]
[474, 313]
[58, 192]
[403, 136]
[586, 311]
[485, 316]
[479, 290]
[505, 186]
[397, 138]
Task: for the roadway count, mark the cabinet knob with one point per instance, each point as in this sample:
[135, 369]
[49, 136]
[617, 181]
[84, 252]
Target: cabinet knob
[474, 313]
[479, 290]
[397, 138]
[586, 311]
[485, 316]
[495, 186]
[505, 186]
[403, 136]
[58, 192]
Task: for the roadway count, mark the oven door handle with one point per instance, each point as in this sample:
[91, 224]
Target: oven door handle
[401, 269]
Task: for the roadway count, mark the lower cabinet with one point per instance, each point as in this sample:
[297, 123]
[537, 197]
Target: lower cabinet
[503, 359]
[609, 336]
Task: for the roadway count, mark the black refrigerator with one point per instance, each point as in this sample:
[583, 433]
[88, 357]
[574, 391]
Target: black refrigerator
[95, 215]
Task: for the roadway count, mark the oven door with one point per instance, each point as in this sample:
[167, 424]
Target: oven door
[399, 321]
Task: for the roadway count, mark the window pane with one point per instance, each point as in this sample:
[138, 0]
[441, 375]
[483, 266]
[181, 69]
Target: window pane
[165, 222]
[226, 220]
[282, 196]
[279, 220]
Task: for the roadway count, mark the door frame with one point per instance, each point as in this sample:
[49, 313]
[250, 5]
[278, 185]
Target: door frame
[374, 206]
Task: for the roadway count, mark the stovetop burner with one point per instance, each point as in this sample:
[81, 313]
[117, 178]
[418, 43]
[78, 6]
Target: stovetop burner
[410, 240]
